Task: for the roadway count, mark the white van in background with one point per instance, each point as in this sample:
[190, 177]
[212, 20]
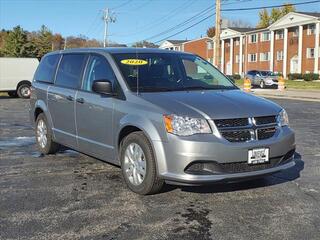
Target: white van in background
[16, 75]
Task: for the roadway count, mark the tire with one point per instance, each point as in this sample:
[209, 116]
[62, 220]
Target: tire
[24, 90]
[13, 94]
[150, 182]
[262, 85]
[48, 146]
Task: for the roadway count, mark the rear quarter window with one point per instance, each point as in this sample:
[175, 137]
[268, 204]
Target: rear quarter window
[47, 69]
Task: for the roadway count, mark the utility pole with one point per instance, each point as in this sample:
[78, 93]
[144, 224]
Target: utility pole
[217, 34]
[108, 17]
[65, 43]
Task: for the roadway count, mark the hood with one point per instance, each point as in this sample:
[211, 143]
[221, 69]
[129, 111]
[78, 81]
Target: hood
[215, 104]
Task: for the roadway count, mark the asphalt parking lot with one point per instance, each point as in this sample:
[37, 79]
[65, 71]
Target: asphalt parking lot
[72, 196]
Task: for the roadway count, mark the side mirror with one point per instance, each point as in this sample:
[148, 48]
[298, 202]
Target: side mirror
[102, 87]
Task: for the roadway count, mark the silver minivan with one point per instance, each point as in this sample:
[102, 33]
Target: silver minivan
[163, 116]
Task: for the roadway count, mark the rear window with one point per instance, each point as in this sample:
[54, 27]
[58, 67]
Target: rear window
[47, 69]
[70, 70]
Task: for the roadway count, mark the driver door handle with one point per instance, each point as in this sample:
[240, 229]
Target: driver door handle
[70, 98]
[80, 100]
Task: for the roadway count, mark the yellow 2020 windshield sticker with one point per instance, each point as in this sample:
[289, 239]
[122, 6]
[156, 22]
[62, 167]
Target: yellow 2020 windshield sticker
[134, 62]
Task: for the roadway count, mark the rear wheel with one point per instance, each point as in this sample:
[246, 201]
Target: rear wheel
[44, 136]
[262, 85]
[138, 165]
[24, 90]
[13, 94]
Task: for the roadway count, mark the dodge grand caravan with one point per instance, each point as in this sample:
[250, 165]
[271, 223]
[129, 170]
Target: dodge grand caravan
[163, 116]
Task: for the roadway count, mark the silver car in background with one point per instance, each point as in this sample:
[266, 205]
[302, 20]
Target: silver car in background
[263, 79]
[163, 116]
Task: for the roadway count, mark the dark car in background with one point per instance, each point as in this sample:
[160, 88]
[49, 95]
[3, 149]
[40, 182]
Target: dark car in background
[263, 79]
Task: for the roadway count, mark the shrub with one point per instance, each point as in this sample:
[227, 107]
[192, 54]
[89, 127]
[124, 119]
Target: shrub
[234, 77]
[310, 76]
[293, 76]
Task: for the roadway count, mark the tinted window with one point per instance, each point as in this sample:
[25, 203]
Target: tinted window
[70, 70]
[47, 68]
[97, 69]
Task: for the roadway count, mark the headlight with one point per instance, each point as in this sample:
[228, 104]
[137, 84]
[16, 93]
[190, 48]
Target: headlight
[185, 126]
[283, 119]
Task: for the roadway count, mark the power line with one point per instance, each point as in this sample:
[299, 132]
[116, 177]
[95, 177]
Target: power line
[163, 18]
[201, 13]
[121, 5]
[211, 15]
[271, 6]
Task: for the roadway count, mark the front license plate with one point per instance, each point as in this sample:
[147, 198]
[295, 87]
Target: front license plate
[258, 156]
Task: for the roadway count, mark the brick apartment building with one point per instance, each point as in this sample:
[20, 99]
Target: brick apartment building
[290, 45]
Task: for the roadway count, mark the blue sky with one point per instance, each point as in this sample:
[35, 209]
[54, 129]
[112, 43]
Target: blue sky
[136, 19]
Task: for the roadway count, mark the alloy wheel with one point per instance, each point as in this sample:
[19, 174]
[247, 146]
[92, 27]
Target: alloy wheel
[135, 164]
[42, 133]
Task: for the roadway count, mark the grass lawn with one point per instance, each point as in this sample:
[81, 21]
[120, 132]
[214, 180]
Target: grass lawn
[292, 84]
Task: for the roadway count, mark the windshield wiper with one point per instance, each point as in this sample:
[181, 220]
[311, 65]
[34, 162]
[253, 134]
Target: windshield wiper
[208, 88]
[156, 89]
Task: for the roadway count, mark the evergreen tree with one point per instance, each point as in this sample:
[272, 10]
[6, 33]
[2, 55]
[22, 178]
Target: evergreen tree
[14, 43]
[43, 41]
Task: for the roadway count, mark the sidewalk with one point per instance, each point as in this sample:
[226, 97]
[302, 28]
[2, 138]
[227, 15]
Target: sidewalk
[305, 95]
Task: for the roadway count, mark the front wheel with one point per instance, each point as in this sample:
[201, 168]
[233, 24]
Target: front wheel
[24, 90]
[262, 85]
[138, 165]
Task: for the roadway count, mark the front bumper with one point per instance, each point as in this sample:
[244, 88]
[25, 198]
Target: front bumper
[271, 83]
[174, 156]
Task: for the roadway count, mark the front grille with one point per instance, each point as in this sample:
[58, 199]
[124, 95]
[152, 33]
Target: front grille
[209, 168]
[238, 167]
[246, 129]
[265, 120]
[237, 136]
[266, 133]
[236, 122]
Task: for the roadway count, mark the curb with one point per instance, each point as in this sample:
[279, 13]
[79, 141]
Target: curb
[289, 97]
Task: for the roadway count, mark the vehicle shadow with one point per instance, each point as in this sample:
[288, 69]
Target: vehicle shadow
[274, 179]
[6, 97]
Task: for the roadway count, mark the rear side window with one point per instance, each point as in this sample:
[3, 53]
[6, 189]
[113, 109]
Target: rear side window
[70, 70]
[47, 69]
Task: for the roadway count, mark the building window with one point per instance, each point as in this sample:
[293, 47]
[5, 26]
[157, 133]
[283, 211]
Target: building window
[279, 55]
[264, 56]
[295, 32]
[311, 29]
[252, 57]
[253, 38]
[279, 34]
[310, 52]
[210, 45]
[265, 36]
[237, 58]
[237, 42]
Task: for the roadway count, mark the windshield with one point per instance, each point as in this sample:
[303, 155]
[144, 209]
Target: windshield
[267, 73]
[152, 72]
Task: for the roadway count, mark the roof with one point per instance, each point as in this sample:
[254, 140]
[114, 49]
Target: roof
[177, 41]
[115, 50]
[243, 30]
[313, 14]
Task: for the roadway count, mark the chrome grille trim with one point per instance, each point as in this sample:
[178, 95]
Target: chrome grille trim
[259, 128]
